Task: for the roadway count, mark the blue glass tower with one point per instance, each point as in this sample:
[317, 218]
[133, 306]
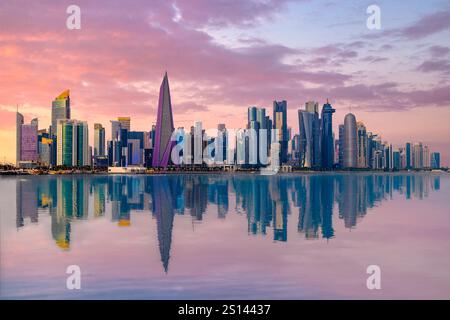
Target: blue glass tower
[327, 136]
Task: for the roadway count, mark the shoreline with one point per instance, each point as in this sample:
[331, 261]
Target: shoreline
[218, 172]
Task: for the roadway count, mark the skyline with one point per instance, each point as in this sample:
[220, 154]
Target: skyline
[114, 63]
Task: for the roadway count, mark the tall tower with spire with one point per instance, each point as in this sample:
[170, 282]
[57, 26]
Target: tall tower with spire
[164, 127]
[327, 143]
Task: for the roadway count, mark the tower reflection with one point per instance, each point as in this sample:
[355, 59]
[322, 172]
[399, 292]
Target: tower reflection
[267, 202]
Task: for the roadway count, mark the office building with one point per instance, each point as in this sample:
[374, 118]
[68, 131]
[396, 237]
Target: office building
[327, 140]
[350, 144]
[99, 140]
[60, 110]
[72, 143]
[280, 123]
[163, 144]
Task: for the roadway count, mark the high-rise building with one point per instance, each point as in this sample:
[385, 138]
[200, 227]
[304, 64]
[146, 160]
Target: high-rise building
[28, 142]
[60, 110]
[305, 123]
[418, 156]
[350, 146]
[99, 140]
[408, 155]
[19, 123]
[116, 126]
[396, 160]
[341, 146]
[257, 120]
[435, 160]
[426, 157]
[164, 127]
[362, 159]
[45, 146]
[198, 142]
[125, 122]
[313, 108]
[280, 123]
[72, 143]
[221, 144]
[327, 136]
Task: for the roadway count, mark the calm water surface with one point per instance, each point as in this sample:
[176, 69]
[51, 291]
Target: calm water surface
[225, 236]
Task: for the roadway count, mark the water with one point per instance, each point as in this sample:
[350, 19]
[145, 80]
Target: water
[225, 236]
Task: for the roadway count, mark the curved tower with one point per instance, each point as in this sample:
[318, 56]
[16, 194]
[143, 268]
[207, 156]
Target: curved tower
[350, 146]
[163, 145]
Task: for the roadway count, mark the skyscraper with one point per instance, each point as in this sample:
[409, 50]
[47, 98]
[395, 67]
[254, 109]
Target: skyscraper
[19, 123]
[305, 123]
[341, 146]
[313, 108]
[29, 142]
[435, 160]
[115, 130]
[258, 120]
[60, 110]
[327, 136]
[426, 157]
[221, 144]
[362, 159]
[350, 146]
[408, 155]
[418, 156]
[164, 127]
[125, 123]
[99, 140]
[72, 143]
[280, 123]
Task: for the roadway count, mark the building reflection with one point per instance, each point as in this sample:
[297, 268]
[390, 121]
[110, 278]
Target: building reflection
[267, 202]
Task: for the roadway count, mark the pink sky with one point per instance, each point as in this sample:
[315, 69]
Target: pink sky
[224, 56]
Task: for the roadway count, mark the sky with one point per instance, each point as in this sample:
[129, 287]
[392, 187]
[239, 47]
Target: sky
[224, 56]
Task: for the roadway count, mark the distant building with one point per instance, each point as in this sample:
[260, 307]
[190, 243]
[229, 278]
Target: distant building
[99, 140]
[305, 120]
[435, 160]
[72, 143]
[350, 144]
[426, 157]
[316, 158]
[418, 156]
[327, 140]
[362, 159]
[125, 122]
[60, 110]
[280, 123]
[27, 140]
[341, 146]
[163, 145]
[408, 155]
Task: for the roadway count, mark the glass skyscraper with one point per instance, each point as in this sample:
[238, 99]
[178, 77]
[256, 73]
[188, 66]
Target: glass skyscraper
[72, 143]
[327, 136]
[60, 110]
[99, 140]
[280, 123]
[164, 127]
[350, 146]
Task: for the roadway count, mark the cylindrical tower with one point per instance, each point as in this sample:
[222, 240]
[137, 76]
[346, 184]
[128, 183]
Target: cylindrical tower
[350, 146]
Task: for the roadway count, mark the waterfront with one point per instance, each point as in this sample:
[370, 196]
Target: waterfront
[225, 235]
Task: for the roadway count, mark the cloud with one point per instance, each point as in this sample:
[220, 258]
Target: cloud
[442, 66]
[427, 25]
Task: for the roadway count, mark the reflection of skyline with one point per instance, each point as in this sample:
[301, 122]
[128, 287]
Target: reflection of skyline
[269, 202]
